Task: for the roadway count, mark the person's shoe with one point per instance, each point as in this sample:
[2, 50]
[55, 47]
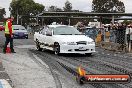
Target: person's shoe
[13, 52]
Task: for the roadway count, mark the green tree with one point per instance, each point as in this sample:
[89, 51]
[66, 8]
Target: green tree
[37, 8]
[68, 6]
[127, 22]
[107, 6]
[25, 8]
[58, 9]
[54, 9]
[2, 13]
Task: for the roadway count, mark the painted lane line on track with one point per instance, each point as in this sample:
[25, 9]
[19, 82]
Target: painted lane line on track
[38, 59]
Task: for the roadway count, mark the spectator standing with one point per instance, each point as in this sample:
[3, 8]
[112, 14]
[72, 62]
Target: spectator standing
[9, 35]
[121, 34]
[127, 34]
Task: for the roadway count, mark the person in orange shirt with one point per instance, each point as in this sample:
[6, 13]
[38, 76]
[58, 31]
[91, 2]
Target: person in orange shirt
[9, 35]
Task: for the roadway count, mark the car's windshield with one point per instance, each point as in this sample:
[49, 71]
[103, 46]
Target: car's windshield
[65, 30]
[22, 29]
[19, 29]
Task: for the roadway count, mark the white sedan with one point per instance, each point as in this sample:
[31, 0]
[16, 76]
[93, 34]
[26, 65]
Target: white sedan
[63, 39]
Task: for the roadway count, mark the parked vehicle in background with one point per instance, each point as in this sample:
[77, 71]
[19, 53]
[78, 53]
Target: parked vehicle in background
[20, 32]
[2, 28]
[91, 32]
[63, 39]
[94, 24]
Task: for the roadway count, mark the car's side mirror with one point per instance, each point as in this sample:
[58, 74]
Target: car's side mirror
[40, 32]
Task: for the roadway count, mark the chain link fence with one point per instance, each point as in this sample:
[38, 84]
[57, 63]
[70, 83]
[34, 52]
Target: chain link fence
[114, 38]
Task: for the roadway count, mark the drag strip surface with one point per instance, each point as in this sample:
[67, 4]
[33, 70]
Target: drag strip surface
[66, 67]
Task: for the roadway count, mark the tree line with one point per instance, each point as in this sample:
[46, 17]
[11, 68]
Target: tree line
[27, 8]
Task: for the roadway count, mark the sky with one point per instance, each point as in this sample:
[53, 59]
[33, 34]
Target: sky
[83, 5]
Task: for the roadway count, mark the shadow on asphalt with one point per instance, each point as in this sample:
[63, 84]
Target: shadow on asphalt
[77, 55]
[67, 55]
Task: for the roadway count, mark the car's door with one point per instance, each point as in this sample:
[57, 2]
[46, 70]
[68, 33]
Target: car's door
[49, 37]
[39, 37]
[43, 39]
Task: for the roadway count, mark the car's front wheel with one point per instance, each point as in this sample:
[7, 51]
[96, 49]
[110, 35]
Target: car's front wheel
[38, 46]
[57, 48]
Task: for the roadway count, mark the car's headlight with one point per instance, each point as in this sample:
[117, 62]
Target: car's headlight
[91, 42]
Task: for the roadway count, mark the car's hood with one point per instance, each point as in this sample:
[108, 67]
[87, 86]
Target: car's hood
[22, 31]
[72, 38]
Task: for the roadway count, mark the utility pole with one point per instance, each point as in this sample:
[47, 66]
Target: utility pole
[113, 10]
[113, 19]
[42, 21]
[21, 20]
[69, 21]
[101, 21]
[37, 20]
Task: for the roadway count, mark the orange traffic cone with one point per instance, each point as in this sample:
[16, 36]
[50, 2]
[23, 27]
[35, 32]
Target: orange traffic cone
[8, 50]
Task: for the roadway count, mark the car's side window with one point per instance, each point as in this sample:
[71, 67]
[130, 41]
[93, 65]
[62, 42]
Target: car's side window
[49, 31]
[45, 30]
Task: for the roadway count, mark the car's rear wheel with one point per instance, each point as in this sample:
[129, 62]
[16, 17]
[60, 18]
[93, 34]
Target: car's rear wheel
[57, 48]
[38, 46]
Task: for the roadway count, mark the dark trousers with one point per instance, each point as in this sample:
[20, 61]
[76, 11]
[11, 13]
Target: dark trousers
[129, 40]
[8, 40]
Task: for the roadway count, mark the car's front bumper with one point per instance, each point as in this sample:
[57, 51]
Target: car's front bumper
[82, 49]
